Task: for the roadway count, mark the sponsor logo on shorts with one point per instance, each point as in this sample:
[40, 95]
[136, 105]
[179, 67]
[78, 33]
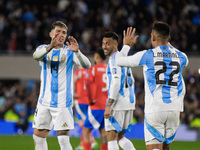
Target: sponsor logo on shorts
[64, 125]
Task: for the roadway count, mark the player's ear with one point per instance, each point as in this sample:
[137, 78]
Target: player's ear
[169, 38]
[50, 34]
[116, 44]
[153, 37]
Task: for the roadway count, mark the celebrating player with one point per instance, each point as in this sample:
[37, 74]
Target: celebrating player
[164, 85]
[121, 97]
[96, 84]
[55, 100]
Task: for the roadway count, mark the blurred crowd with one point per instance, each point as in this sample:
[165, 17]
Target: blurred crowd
[18, 100]
[25, 24]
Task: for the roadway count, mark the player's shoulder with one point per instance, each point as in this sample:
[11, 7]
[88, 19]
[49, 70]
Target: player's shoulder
[42, 46]
[180, 53]
[113, 58]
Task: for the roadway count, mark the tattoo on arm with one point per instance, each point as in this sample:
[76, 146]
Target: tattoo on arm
[110, 102]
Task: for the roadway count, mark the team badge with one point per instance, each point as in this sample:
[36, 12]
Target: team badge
[55, 58]
[63, 58]
[114, 70]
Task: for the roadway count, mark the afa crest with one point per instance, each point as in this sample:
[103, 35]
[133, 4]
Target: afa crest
[55, 58]
[63, 58]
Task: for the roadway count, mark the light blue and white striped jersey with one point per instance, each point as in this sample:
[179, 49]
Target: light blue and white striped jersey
[56, 75]
[164, 84]
[121, 85]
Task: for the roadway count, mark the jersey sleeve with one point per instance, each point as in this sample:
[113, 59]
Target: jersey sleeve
[81, 60]
[40, 52]
[124, 51]
[137, 59]
[115, 80]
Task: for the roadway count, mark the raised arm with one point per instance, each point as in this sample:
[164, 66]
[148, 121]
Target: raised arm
[79, 58]
[41, 51]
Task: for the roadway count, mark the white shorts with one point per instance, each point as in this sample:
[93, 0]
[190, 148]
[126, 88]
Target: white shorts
[160, 127]
[120, 121]
[45, 117]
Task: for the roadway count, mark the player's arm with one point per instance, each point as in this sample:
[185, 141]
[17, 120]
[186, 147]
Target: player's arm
[81, 60]
[131, 61]
[41, 51]
[107, 113]
[114, 89]
[78, 58]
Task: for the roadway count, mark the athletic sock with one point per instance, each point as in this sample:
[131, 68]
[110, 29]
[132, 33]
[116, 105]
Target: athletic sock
[104, 146]
[64, 142]
[87, 146]
[40, 143]
[126, 144]
[112, 145]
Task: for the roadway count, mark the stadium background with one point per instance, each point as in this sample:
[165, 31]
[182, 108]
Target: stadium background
[25, 24]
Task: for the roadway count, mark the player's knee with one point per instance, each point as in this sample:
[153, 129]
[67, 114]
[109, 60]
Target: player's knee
[120, 136]
[39, 140]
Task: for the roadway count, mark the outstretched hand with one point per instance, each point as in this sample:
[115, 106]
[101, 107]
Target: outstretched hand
[73, 45]
[53, 43]
[129, 38]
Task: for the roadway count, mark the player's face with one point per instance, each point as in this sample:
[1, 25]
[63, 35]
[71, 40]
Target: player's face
[62, 34]
[109, 46]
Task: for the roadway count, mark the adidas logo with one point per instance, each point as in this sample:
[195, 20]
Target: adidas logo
[64, 125]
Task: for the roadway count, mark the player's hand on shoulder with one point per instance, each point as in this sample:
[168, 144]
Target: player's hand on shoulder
[129, 36]
[72, 44]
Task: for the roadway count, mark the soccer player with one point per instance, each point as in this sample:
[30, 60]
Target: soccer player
[54, 105]
[96, 84]
[81, 101]
[121, 97]
[164, 85]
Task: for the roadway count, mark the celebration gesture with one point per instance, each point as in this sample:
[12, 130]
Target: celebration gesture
[73, 45]
[129, 38]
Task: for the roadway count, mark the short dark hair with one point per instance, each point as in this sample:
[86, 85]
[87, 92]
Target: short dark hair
[111, 34]
[59, 24]
[101, 53]
[162, 28]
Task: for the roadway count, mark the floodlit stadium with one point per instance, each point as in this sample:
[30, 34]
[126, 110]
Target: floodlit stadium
[25, 25]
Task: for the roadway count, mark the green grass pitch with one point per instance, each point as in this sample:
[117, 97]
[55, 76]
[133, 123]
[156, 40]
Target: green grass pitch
[26, 143]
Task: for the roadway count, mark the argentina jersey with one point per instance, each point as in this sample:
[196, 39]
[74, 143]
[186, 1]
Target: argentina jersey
[164, 84]
[56, 70]
[121, 86]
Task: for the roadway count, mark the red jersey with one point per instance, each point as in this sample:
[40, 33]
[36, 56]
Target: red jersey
[98, 84]
[80, 86]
